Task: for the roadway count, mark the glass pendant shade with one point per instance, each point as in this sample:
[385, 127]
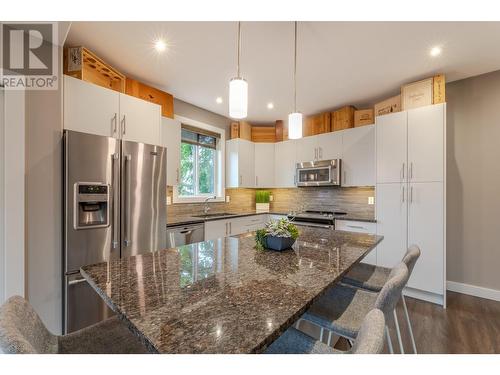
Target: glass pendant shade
[295, 125]
[238, 98]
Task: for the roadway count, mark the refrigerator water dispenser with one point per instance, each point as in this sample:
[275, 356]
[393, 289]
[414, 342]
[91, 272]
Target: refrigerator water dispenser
[92, 205]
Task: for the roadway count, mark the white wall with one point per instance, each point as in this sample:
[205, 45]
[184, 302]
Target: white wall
[44, 204]
[2, 207]
[13, 241]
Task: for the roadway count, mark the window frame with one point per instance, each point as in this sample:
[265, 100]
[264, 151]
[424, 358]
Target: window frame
[220, 175]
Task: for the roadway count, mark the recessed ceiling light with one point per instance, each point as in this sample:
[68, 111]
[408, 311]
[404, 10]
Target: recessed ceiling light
[218, 100]
[270, 105]
[160, 45]
[435, 51]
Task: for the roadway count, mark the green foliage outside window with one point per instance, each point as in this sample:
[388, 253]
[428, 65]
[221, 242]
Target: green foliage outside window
[197, 175]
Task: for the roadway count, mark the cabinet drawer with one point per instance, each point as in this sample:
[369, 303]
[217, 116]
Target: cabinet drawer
[355, 226]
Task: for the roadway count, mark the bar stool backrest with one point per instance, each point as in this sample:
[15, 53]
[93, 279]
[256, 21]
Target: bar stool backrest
[392, 289]
[370, 339]
[22, 331]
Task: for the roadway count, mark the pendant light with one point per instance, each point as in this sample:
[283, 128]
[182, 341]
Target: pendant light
[238, 89]
[295, 118]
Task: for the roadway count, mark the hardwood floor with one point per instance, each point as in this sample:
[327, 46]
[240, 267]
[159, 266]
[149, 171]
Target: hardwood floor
[468, 325]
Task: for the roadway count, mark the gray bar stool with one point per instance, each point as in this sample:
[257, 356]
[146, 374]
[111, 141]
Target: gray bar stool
[342, 309]
[370, 277]
[370, 339]
[23, 332]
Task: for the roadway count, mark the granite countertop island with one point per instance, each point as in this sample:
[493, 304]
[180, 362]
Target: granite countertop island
[224, 296]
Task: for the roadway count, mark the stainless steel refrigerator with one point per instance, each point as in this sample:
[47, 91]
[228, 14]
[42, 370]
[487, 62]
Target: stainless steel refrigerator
[114, 206]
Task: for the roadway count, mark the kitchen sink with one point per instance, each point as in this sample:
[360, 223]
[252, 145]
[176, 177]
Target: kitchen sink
[215, 215]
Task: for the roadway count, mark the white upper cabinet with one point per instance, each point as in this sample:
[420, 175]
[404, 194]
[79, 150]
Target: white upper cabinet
[307, 149]
[170, 134]
[240, 163]
[426, 143]
[284, 164]
[91, 109]
[329, 145]
[358, 156]
[426, 228]
[139, 120]
[264, 165]
[391, 147]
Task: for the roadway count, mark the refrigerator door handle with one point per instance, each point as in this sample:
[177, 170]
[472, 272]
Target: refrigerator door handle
[77, 281]
[116, 203]
[126, 239]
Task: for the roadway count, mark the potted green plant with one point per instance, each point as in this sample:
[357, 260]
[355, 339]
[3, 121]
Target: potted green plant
[262, 198]
[277, 235]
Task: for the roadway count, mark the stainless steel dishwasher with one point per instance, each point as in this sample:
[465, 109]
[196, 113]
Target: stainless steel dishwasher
[184, 234]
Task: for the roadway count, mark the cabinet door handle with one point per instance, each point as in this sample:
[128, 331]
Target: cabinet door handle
[295, 179]
[320, 152]
[356, 226]
[113, 123]
[226, 229]
[177, 175]
[411, 171]
[403, 170]
[230, 228]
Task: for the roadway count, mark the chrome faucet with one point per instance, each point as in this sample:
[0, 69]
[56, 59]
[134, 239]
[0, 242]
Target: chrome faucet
[206, 208]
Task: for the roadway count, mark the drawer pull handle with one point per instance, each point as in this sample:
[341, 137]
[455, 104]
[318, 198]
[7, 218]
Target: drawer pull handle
[355, 226]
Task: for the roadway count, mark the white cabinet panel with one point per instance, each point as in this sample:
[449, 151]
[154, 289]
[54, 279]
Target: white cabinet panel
[392, 219]
[426, 143]
[391, 147]
[426, 229]
[358, 156]
[264, 165]
[216, 229]
[240, 163]
[307, 149]
[170, 133]
[284, 164]
[329, 145]
[91, 109]
[140, 120]
[360, 227]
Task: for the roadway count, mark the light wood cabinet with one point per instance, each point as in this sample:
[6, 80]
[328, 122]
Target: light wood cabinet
[170, 134]
[316, 124]
[285, 160]
[264, 165]
[358, 161]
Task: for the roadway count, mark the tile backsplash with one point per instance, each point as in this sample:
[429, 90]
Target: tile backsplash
[352, 200]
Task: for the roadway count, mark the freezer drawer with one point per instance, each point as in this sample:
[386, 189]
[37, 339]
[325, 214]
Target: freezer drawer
[84, 306]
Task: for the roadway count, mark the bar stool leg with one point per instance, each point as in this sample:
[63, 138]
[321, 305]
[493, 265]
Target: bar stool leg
[402, 350]
[389, 342]
[409, 326]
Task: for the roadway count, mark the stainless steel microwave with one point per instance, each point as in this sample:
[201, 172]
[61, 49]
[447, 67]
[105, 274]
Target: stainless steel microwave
[319, 173]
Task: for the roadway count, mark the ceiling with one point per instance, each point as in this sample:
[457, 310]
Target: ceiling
[338, 63]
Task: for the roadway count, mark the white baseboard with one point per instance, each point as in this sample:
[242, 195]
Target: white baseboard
[472, 290]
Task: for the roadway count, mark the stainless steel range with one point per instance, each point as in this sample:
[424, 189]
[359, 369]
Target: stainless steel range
[312, 218]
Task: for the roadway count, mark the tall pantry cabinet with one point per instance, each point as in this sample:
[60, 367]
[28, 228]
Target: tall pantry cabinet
[410, 195]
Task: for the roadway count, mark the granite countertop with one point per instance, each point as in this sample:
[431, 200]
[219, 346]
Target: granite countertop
[224, 296]
[185, 220]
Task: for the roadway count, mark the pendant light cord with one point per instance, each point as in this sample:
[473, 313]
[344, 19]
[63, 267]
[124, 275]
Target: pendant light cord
[239, 44]
[295, 72]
